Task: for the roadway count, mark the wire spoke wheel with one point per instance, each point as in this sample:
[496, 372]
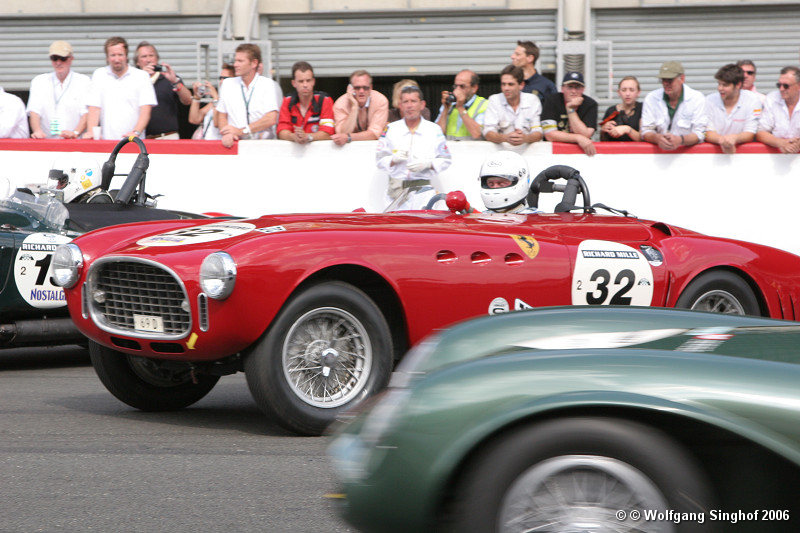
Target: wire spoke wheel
[327, 357]
[719, 301]
[581, 494]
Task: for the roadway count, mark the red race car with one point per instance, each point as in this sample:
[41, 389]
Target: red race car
[316, 308]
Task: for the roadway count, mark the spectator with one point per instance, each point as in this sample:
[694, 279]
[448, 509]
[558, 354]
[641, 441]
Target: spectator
[394, 112]
[732, 113]
[307, 115]
[512, 116]
[169, 90]
[13, 122]
[412, 150]
[120, 97]
[360, 113]
[570, 116]
[463, 118]
[247, 108]
[621, 121]
[749, 69]
[204, 116]
[56, 104]
[674, 115]
[779, 125]
[525, 56]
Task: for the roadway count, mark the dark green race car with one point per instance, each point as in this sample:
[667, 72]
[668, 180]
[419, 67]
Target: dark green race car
[583, 419]
[33, 310]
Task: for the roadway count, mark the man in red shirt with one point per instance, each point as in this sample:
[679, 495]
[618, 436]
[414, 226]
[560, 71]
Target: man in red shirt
[307, 115]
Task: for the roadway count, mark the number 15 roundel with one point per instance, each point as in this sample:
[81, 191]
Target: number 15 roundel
[609, 273]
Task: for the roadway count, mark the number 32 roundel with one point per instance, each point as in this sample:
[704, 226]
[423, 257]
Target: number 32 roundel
[609, 273]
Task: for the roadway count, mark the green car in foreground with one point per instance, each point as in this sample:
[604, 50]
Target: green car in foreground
[583, 419]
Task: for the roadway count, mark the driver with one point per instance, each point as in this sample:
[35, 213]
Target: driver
[79, 179]
[505, 181]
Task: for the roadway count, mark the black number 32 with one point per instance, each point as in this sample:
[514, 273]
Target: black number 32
[603, 278]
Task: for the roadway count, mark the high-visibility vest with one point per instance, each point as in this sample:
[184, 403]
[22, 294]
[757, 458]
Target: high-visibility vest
[479, 104]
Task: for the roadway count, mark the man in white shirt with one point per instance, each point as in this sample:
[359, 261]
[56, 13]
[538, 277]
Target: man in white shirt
[13, 122]
[732, 112]
[412, 150]
[674, 115]
[247, 108]
[121, 96]
[512, 115]
[779, 125]
[56, 105]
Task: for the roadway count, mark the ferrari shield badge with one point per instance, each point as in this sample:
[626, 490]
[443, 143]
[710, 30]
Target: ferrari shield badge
[527, 244]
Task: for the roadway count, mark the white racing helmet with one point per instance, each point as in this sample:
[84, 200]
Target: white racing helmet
[509, 165]
[74, 175]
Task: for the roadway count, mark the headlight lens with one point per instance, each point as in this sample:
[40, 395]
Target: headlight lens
[67, 264]
[218, 275]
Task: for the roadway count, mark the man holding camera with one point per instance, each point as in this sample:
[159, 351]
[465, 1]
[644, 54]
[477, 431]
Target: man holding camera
[169, 90]
[120, 97]
[462, 112]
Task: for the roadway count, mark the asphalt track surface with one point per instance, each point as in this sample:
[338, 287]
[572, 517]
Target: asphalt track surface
[73, 458]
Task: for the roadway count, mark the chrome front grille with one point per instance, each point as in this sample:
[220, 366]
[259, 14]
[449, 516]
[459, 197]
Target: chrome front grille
[122, 288]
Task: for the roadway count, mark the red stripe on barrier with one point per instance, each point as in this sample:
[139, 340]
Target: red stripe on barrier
[648, 148]
[182, 146]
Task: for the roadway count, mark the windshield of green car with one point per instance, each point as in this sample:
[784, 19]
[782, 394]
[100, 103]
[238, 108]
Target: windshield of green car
[25, 210]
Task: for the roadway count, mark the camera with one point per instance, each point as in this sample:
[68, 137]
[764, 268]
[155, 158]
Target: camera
[157, 68]
[202, 91]
[451, 99]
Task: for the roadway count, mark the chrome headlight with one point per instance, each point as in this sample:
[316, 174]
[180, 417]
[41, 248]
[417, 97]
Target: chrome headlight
[67, 265]
[218, 275]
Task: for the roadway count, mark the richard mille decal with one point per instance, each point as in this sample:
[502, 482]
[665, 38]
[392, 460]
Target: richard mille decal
[611, 273]
[32, 270]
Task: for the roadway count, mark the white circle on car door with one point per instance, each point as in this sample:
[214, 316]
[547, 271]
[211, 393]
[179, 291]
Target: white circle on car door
[32, 270]
[610, 273]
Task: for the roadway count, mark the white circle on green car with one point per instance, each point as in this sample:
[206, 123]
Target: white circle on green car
[33, 270]
[198, 234]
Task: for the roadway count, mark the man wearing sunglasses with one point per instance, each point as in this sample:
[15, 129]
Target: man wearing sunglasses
[749, 69]
[56, 105]
[779, 125]
[463, 111]
[361, 113]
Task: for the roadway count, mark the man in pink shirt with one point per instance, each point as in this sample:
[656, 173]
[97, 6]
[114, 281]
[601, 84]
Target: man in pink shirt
[360, 113]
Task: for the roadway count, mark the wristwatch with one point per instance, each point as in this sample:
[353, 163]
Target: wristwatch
[349, 138]
[137, 133]
[246, 130]
[570, 110]
[309, 137]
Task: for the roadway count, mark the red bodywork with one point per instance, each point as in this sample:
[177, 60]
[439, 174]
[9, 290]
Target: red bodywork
[430, 268]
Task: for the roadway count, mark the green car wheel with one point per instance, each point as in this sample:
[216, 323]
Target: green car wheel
[581, 474]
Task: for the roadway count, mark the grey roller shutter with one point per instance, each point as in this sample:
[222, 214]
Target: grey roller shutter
[407, 44]
[24, 43]
[702, 39]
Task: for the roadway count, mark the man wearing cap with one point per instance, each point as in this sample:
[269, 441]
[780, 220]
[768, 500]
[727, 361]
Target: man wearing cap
[674, 115]
[121, 97]
[779, 125]
[56, 105]
[570, 116]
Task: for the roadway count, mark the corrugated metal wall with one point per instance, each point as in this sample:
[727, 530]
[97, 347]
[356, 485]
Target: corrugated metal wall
[703, 39]
[24, 43]
[410, 44]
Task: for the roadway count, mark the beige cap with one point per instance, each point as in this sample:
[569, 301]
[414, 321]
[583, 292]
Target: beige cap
[670, 70]
[60, 48]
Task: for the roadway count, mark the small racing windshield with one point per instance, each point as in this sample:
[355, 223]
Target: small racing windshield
[24, 209]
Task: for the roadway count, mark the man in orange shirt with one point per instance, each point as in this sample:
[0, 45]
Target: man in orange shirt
[360, 113]
[306, 115]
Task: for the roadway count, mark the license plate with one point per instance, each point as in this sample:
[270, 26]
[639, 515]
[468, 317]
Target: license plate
[148, 323]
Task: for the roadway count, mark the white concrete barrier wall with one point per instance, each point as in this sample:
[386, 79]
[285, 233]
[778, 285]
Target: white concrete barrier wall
[749, 196]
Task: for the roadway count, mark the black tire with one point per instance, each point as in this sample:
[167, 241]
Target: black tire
[599, 453]
[363, 330]
[145, 384]
[720, 291]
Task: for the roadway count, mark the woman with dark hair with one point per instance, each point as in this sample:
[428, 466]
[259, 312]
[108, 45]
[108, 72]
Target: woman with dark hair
[621, 121]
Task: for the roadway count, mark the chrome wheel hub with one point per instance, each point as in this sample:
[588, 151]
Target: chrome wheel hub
[719, 301]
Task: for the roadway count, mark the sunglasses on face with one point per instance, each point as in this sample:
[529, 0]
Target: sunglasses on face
[780, 85]
[361, 87]
[55, 58]
[224, 77]
[749, 72]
